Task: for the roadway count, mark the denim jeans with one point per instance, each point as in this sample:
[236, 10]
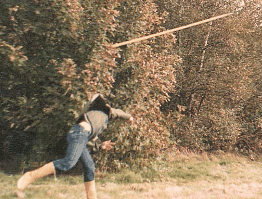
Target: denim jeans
[77, 139]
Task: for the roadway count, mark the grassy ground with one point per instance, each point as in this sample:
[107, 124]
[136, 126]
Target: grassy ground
[179, 177]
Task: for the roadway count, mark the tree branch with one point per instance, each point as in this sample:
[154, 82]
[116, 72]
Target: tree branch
[205, 47]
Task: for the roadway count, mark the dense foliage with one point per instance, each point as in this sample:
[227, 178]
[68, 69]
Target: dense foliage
[197, 89]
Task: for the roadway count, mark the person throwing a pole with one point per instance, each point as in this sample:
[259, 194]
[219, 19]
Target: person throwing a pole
[85, 132]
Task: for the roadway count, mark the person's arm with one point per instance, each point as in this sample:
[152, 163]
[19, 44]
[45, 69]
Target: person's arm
[118, 113]
[95, 145]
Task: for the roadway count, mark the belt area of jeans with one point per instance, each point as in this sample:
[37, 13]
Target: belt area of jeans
[86, 125]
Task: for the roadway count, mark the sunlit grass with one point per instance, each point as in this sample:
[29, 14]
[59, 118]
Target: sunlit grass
[176, 175]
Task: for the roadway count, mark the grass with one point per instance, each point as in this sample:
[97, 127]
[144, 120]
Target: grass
[176, 176]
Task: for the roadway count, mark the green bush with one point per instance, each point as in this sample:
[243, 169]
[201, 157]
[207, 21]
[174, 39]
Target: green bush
[190, 89]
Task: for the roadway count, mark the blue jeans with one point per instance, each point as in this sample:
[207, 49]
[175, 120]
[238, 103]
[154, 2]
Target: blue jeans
[77, 139]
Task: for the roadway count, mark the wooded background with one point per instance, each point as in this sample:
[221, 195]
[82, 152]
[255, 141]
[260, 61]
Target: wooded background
[198, 89]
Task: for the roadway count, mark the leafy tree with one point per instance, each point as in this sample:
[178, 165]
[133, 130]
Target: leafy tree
[217, 78]
[198, 88]
[145, 77]
[52, 61]
[57, 53]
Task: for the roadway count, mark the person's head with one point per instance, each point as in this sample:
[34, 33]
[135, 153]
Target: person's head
[98, 102]
[94, 97]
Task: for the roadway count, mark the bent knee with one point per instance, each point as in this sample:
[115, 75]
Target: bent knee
[70, 165]
[64, 164]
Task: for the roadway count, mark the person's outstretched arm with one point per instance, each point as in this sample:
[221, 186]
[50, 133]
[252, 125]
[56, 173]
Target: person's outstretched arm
[118, 113]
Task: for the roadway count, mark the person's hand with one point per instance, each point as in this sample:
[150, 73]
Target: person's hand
[107, 145]
[131, 120]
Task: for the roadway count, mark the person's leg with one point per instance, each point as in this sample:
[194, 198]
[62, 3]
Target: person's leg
[29, 177]
[77, 142]
[90, 188]
[89, 174]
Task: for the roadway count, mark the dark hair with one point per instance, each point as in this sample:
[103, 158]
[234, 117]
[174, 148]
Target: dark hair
[99, 104]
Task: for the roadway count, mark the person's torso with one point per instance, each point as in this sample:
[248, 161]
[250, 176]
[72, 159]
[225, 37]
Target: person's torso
[98, 120]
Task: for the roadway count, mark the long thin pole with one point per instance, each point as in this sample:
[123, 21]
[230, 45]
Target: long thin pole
[169, 31]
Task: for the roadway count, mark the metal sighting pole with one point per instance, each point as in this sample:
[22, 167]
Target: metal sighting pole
[169, 31]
